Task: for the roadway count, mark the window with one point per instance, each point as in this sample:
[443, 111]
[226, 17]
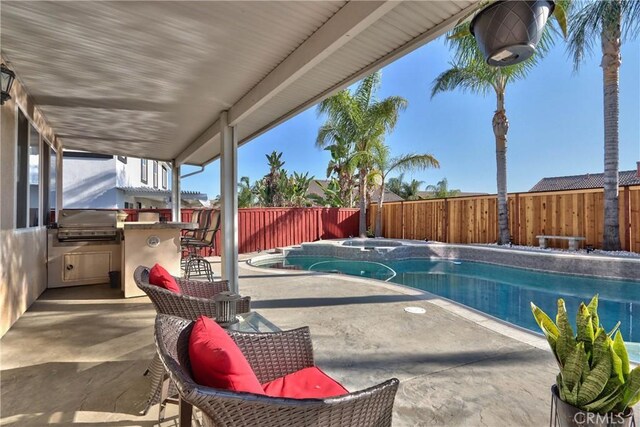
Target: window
[165, 177]
[144, 171]
[128, 205]
[49, 174]
[155, 174]
[123, 159]
[34, 177]
[28, 177]
[22, 163]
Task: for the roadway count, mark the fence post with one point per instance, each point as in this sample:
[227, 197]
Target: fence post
[627, 219]
[445, 218]
[516, 224]
[401, 214]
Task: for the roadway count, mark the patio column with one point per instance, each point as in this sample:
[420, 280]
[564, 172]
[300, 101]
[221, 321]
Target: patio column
[175, 192]
[229, 199]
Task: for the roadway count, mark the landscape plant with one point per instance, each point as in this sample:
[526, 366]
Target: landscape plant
[595, 374]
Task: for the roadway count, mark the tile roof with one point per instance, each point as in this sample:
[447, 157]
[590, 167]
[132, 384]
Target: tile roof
[579, 182]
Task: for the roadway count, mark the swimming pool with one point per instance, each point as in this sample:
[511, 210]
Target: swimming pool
[502, 292]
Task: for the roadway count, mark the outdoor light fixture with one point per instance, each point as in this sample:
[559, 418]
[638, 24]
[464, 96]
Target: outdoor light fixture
[226, 308]
[7, 81]
[508, 31]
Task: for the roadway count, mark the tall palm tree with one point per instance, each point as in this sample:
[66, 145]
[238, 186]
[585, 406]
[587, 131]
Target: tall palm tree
[611, 22]
[362, 122]
[395, 184]
[385, 164]
[470, 73]
[441, 190]
[341, 165]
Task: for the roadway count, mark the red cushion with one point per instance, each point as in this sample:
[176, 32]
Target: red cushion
[216, 360]
[160, 277]
[308, 383]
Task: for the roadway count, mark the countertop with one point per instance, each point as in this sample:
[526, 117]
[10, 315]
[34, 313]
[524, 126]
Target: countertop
[159, 225]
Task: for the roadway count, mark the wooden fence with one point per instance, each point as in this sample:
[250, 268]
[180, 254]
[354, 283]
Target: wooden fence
[268, 228]
[474, 219]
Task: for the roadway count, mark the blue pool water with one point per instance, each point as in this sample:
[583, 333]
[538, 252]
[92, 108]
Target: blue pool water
[503, 292]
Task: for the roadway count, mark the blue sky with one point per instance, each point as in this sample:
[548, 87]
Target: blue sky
[555, 115]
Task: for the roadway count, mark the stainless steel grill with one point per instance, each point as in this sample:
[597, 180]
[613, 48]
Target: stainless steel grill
[79, 225]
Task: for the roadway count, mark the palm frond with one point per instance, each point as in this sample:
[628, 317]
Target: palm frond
[409, 162]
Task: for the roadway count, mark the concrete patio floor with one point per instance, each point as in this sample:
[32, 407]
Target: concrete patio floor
[77, 356]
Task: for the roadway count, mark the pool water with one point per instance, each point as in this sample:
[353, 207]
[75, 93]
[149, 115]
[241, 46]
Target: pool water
[503, 292]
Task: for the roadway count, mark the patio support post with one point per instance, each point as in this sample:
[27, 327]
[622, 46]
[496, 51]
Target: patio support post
[229, 199]
[175, 192]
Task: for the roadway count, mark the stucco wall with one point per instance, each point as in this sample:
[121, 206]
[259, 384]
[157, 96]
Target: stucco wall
[22, 252]
[90, 182]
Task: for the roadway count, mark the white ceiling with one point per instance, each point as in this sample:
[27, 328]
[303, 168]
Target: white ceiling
[149, 79]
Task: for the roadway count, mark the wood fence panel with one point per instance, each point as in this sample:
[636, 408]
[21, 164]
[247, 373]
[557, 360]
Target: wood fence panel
[474, 219]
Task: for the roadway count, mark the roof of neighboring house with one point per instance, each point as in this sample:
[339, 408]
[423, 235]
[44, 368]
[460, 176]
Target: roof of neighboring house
[429, 194]
[316, 187]
[579, 182]
[148, 191]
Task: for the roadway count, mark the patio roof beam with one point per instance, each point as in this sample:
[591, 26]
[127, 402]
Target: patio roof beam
[201, 140]
[347, 23]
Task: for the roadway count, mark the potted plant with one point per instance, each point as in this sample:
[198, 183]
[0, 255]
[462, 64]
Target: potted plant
[508, 31]
[595, 386]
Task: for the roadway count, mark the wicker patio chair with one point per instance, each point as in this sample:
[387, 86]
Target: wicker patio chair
[194, 262]
[271, 355]
[195, 300]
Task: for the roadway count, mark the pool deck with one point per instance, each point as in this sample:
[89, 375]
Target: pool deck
[77, 356]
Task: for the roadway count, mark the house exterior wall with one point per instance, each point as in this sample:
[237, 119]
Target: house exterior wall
[23, 252]
[94, 182]
[90, 182]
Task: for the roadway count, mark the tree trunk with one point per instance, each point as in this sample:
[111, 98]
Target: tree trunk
[500, 129]
[378, 232]
[362, 197]
[611, 61]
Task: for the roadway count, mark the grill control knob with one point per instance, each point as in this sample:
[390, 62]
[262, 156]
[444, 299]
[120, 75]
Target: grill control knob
[69, 267]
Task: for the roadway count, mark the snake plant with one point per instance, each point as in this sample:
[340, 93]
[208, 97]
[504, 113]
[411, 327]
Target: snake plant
[594, 365]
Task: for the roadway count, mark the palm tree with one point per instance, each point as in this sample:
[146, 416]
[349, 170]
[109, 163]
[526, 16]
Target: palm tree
[341, 165]
[395, 184]
[441, 190]
[471, 73]
[385, 164]
[245, 193]
[273, 181]
[361, 121]
[411, 190]
[611, 22]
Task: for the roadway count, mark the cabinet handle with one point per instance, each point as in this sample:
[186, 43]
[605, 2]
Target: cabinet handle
[70, 267]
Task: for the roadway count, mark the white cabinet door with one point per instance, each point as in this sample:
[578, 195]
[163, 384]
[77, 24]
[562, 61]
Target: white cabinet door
[86, 266]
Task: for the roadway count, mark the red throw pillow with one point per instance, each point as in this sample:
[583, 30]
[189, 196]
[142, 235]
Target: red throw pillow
[160, 277]
[216, 360]
[308, 383]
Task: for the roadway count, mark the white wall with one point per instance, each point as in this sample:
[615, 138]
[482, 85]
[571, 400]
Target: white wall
[22, 252]
[90, 182]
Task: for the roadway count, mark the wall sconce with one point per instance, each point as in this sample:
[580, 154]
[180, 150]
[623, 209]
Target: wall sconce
[7, 81]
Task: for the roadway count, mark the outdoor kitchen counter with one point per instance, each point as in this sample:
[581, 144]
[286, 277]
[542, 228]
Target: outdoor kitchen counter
[148, 243]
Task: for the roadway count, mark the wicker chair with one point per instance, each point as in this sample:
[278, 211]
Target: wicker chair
[196, 300]
[271, 355]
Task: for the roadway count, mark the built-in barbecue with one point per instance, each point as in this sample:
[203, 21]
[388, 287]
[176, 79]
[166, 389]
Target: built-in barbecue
[79, 225]
[84, 248]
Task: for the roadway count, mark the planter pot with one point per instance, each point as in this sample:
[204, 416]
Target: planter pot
[508, 31]
[569, 416]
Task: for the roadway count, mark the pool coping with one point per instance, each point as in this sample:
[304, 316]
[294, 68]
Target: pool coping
[477, 317]
[577, 264]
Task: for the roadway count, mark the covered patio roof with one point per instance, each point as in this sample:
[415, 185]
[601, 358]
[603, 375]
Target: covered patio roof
[150, 79]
